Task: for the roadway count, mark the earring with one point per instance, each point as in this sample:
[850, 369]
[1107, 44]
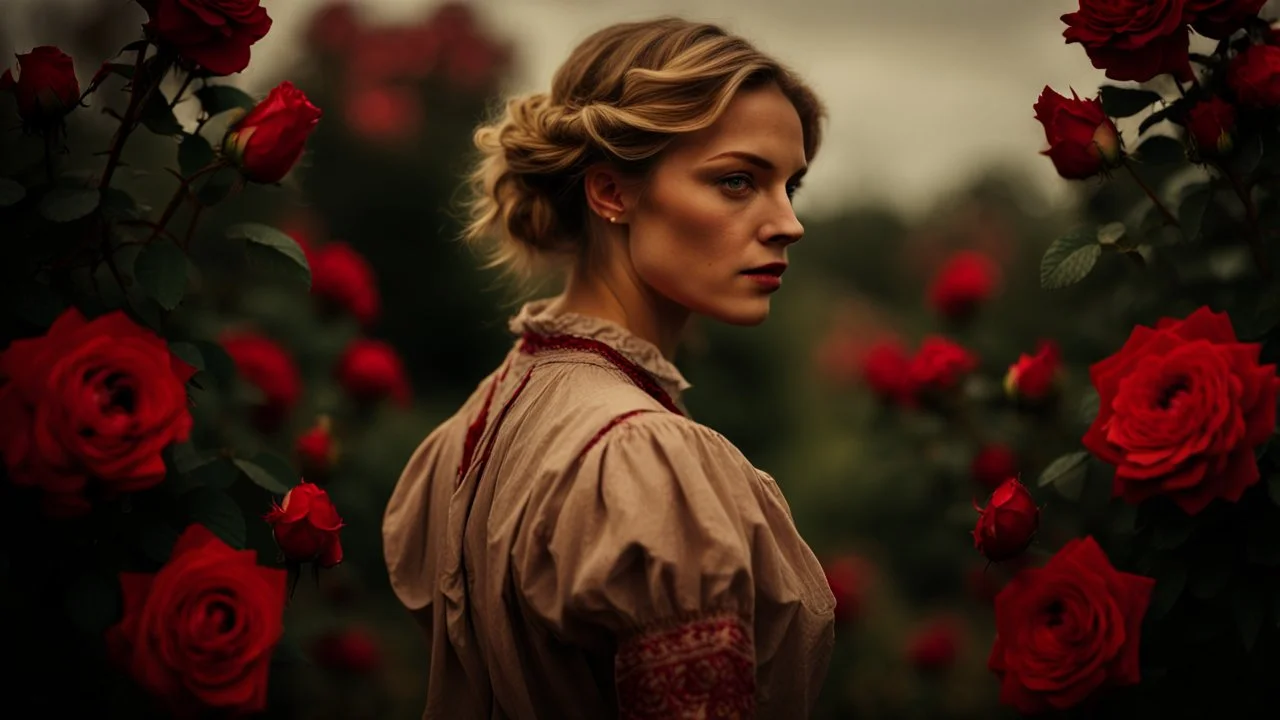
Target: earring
[613, 219]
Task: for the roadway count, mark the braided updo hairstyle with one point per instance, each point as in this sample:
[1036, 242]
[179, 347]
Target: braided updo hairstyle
[622, 96]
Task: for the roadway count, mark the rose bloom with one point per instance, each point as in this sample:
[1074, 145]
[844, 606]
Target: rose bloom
[353, 650]
[371, 370]
[965, 281]
[1008, 524]
[1254, 76]
[199, 633]
[886, 370]
[268, 141]
[1218, 19]
[993, 464]
[306, 526]
[1181, 408]
[384, 113]
[935, 646]
[1210, 124]
[46, 88]
[343, 279]
[848, 577]
[1068, 629]
[316, 451]
[267, 366]
[90, 399]
[1034, 378]
[1083, 141]
[940, 364]
[1132, 39]
[215, 34]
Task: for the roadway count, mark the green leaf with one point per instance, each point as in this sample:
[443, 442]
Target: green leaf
[1156, 117]
[1191, 211]
[220, 98]
[1069, 259]
[11, 192]
[120, 204]
[193, 154]
[269, 480]
[1171, 579]
[1090, 405]
[1161, 150]
[216, 511]
[184, 457]
[158, 117]
[273, 251]
[1072, 463]
[155, 540]
[1172, 529]
[1247, 156]
[215, 186]
[66, 203]
[188, 353]
[217, 362]
[92, 601]
[1120, 102]
[217, 474]
[1249, 608]
[1124, 519]
[161, 270]
[124, 70]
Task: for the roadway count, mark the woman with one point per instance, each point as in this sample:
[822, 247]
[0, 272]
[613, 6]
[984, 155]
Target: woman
[574, 545]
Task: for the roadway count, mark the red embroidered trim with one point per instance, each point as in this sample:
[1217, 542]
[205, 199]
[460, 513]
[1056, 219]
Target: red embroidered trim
[476, 428]
[488, 449]
[699, 669]
[611, 425]
[534, 343]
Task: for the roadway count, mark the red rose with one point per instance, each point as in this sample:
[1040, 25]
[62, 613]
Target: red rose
[939, 365]
[1219, 18]
[935, 646]
[1132, 39]
[384, 113]
[95, 399]
[316, 451]
[1034, 378]
[1181, 409]
[342, 278]
[885, 369]
[46, 88]
[1254, 76]
[335, 27]
[1210, 124]
[965, 281]
[1082, 139]
[848, 577]
[268, 141]
[200, 632]
[1008, 524]
[266, 366]
[371, 370]
[215, 34]
[993, 464]
[1065, 630]
[306, 526]
[353, 650]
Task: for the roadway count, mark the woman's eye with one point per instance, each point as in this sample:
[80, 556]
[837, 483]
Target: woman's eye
[736, 183]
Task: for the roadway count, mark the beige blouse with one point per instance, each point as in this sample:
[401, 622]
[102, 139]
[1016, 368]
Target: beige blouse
[576, 547]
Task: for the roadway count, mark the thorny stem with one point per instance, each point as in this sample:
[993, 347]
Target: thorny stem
[1169, 219]
[126, 124]
[185, 83]
[180, 195]
[1245, 193]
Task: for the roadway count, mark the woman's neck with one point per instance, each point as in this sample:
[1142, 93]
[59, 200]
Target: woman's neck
[623, 299]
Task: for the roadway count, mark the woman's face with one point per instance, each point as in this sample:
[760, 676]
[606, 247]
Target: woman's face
[717, 205]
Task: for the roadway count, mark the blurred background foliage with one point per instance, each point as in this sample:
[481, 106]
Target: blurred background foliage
[883, 499]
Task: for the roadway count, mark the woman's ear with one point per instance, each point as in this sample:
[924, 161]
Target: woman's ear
[607, 192]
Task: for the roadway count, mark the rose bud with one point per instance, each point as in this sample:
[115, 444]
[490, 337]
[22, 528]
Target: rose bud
[993, 464]
[1009, 522]
[1210, 125]
[939, 365]
[354, 651]
[317, 451]
[214, 34]
[371, 370]
[848, 577]
[1033, 379]
[306, 526]
[46, 88]
[1218, 19]
[935, 646]
[965, 281]
[267, 142]
[885, 370]
[1254, 76]
[343, 280]
[1083, 141]
[268, 367]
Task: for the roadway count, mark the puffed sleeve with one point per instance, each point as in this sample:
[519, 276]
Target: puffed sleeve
[645, 545]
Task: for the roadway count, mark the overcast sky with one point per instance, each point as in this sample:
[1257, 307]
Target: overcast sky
[921, 93]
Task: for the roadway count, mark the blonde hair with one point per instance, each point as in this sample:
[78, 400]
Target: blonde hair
[623, 95]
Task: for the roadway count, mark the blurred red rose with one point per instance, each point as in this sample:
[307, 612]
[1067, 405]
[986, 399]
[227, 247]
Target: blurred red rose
[993, 464]
[848, 577]
[215, 34]
[1217, 19]
[1008, 524]
[46, 88]
[199, 634]
[90, 399]
[354, 650]
[935, 646]
[939, 365]
[371, 370]
[1181, 408]
[268, 367]
[306, 526]
[317, 451]
[1083, 141]
[965, 281]
[342, 278]
[1132, 39]
[1210, 125]
[1034, 378]
[1254, 76]
[268, 141]
[1068, 629]
[384, 113]
[334, 28]
[886, 370]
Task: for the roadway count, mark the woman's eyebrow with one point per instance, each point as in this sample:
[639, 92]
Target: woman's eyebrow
[760, 162]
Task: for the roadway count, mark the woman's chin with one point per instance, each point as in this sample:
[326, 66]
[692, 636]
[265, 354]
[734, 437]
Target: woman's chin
[745, 313]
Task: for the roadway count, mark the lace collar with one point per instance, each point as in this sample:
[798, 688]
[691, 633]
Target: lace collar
[533, 318]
